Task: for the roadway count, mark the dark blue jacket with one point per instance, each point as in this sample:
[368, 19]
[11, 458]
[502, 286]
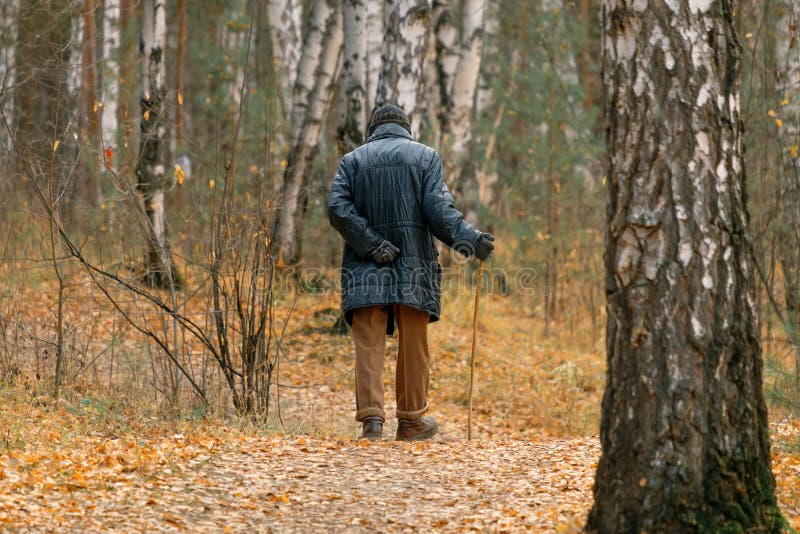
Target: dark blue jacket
[391, 188]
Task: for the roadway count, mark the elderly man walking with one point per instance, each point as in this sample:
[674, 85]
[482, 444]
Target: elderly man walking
[389, 201]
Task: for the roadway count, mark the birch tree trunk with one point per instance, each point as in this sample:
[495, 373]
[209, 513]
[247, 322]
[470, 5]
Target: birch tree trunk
[787, 91]
[288, 224]
[490, 69]
[150, 169]
[180, 58]
[109, 124]
[353, 124]
[285, 19]
[440, 69]
[321, 15]
[460, 109]
[684, 426]
[126, 157]
[464, 85]
[405, 47]
[8, 40]
[375, 28]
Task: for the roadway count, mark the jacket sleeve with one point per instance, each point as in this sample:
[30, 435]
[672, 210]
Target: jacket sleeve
[445, 222]
[345, 218]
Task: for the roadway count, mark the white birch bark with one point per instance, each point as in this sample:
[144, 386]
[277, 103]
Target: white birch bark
[154, 42]
[235, 42]
[490, 67]
[447, 55]
[288, 226]
[321, 13]
[403, 74]
[352, 124]
[437, 92]
[375, 29]
[8, 39]
[285, 19]
[684, 395]
[466, 79]
[432, 103]
[787, 89]
[75, 66]
[110, 88]
[151, 166]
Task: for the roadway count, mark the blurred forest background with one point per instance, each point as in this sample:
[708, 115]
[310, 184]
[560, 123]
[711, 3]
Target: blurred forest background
[165, 165]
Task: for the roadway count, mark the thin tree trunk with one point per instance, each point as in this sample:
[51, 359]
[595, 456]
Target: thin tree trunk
[288, 224]
[150, 170]
[787, 101]
[405, 49]
[8, 41]
[685, 445]
[464, 85]
[457, 128]
[321, 13]
[447, 54]
[285, 21]
[180, 58]
[109, 122]
[375, 28]
[490, 66]
[127, 64]
[353, 123]
[90, 106]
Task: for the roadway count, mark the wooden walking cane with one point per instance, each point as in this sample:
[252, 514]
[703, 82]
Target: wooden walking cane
[474, 342]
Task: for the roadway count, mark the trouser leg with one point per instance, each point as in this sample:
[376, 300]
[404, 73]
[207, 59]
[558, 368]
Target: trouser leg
[413, 362]
[369, 334]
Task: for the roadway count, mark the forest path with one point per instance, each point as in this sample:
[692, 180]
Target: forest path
[234, 482]
[304, 484]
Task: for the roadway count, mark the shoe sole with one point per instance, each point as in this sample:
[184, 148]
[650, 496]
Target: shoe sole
[421, 437]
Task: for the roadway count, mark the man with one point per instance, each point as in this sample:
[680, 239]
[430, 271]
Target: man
[388, 201]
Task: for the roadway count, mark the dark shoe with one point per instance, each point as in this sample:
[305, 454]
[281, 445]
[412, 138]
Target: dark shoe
[372, 428]
[417, 429]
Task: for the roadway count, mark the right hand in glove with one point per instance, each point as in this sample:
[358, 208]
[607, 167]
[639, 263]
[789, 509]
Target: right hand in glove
[484, 246]
[384, 253]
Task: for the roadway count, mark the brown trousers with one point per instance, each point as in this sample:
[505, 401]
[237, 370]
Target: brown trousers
[413, 360]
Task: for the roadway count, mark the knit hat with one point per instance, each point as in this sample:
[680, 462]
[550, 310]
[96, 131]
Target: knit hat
[386, 114]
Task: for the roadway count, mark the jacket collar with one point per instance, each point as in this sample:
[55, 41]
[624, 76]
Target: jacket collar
[391, 129]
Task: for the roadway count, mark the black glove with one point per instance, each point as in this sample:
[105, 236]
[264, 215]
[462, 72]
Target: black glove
[484, 247]
[384, 253]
